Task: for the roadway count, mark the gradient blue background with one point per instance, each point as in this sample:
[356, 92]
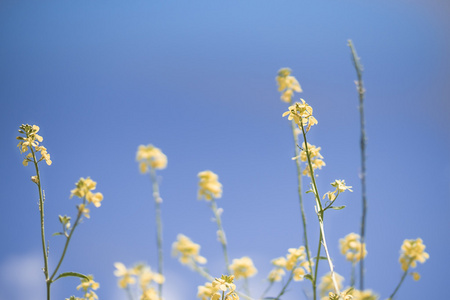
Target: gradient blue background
[196, 78]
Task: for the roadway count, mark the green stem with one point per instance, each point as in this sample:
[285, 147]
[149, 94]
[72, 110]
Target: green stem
[361, 91]
[66, 245]
[41, 211]
[283, 290]
[299, 183]
[399, 284]
[159, 237]
[320, 210]
[352, 277]
[222, 237]
[319, 247]
[266, 290]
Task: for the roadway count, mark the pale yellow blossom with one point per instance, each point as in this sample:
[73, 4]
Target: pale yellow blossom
[412, 251]
[315, 157]
[351, 247]
[187, 251]
[209, 186]
[301, 113]
[32, 139]
[126, 276]
[243, 267]
[326, 284]
[287, 84]
[150, 157]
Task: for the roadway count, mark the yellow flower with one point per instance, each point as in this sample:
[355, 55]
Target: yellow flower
[83, 190]
[187, 251]
[150, 156]
[294, 256]
[315, 156]
[205, 292]
[243, 267]
[301, 113]
[326, 283]
[351, 247]
[224, 284]
[209, 186]
[288, 84]
[149, 294]
[276, 274]
[340, 187]
[32, 139]
[364, 295]
[126, 275]
[88, 285]
[411, 252]
[415, 275]
[84, 210]
[299, 274]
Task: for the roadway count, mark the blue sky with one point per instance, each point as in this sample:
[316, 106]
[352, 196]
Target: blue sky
[196, 79]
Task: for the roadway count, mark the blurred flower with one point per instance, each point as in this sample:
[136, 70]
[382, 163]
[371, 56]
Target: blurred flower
[205, 292]
[150, 156]
[209, 186]
[83, 190]
[287, 84]
[326, 284]
[340, 187]
[412, 251]
[351, 247]
[187, 251]
[125, 275]
[276, 274]
[243, 267]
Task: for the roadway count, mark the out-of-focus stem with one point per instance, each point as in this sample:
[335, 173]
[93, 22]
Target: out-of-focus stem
[221, 233]
[361, 91]
[399, 284]
[159, 234]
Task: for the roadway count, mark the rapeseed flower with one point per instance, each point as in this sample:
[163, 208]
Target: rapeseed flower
[150, 157]
[363, 295]
[225, 285]
[88, 286]
[126, 276]
[287, 84]
[187, 251]
[209, 186]
[315, 156]
[243, 267]
[340, 187]
[32, 140]
[326, 284]
[412, 251]
[83, 189]
[301, 113]
[351, 247]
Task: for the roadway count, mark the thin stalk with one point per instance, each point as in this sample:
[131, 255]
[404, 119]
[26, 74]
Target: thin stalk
[317, 266]
[398, 285]
[222, 237]
[246, 288]
[283, 290]
[159, 238]
[361, 91]
[266, 290]
[202, 271]
[299, 183]
[352, 277]
[66, 245]
[319, 211]
[41, 212]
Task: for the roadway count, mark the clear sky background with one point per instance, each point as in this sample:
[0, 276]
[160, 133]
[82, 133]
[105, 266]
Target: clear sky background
[196, 79]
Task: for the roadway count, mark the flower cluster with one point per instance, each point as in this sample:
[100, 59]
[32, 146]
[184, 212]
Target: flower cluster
[243, 267]
[294, 261]
[315, 156]
[412, 251]
[301, 113]
[84, 188]
[363, 295]
[326, 286]
[143, 274]
[209, 186]
[187, 250]
[351, 247]
[150, 157]
[29, 141]
[88, 286]
[340, 187]
[220, 288]
[287, 84]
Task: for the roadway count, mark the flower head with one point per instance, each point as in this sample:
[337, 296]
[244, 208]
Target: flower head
[243, 267]
[301, 113]
[287, 84]
[150, 157]
[187, 251]
[84, 188]
[340, 187]
[315, 156]
[225, 285]
[326, 283]
[126, 276]
[209, 186]
[351, 247]
[412, 251]
[88, 286]
[31, 141]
